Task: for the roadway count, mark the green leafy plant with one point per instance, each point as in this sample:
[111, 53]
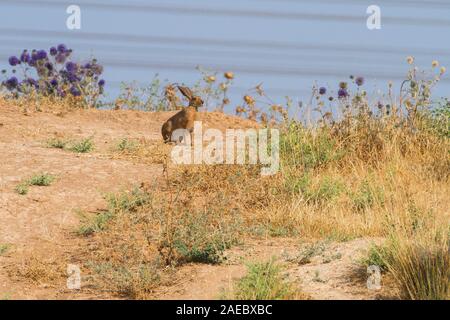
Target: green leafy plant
[83, 146]
[41, 180]
[264, 281]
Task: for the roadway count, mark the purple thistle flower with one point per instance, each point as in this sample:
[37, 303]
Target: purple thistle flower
[71, 77]
[322, 90]
[32, 62]
[32, 82]
[13, 61]
[53, 51]
[359, 81]
[75, 91]
[41, 55]
[97, 69]
[71, 67]
[60, 58]
[54, 82]
[25, 56]
[101, 83]
[62, 48]
[61, 93]
[11, 83]
[49, 66]
[342, 93]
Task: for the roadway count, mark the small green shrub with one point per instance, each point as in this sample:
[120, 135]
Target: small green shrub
[57, 143]
[325, 190]
[43, 180]
[366, 196]
[133, 281]
[80, 146]
[6, 296]
[440, 120]
[202, 236]
[126, 145]
[311, 251]
[22, 188]
[264, 281]
[83, 146]
[298, 147]
[94, 224]
[4, 247]
[126, 202]
[376, 256]
[297, 185]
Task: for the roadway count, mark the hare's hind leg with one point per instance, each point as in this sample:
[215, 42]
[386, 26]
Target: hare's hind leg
[166, 131]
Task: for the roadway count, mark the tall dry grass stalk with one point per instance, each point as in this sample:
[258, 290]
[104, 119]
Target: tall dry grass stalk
[420, 265]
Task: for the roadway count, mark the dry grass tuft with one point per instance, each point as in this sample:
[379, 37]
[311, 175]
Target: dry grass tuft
[419, 263]
[38, 270]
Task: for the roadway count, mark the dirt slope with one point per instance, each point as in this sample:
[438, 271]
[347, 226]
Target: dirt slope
[43, 221]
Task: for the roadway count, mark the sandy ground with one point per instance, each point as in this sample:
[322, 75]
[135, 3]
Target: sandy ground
[43, 221]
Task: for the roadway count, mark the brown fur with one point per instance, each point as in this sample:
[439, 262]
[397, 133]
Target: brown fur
[183, 119]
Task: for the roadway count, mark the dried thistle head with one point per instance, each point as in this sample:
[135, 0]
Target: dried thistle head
[249, 100]
[343, 85]
[276, 107]
[410, 59]
[240, 110]
[408, 103]
[264, 118]
[223, 86]
[259, 89]
[328, 115]
[435, 63]
[272, 122]
[210, 79]
[229, 75]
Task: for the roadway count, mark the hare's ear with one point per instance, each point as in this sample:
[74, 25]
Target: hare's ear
[186, 92]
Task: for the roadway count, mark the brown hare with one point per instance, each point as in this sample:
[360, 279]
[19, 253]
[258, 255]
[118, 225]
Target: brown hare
[183, 119]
